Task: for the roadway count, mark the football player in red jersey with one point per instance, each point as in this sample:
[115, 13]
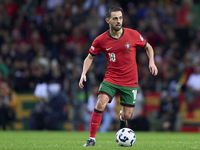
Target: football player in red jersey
[119, 45]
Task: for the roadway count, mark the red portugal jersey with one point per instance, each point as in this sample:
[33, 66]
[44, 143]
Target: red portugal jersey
[121, 56]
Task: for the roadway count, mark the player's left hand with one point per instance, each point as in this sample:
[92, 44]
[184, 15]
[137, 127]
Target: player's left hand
[153, 69]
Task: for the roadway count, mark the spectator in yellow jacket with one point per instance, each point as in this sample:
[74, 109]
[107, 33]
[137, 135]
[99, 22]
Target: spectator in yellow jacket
[8, 101]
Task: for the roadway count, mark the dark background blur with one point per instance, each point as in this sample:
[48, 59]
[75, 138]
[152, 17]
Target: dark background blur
[46, 41]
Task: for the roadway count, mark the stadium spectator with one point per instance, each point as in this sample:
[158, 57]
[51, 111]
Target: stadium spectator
[10, 7]
[169, 15]
[131, 13]
[79, 97]
[21, 75]
[193, 52]
[46, 29]
[184, 15]
[51, 4]
[147, 82]
[8, 102]
[168, 117]
[93, 23]
[142, 9]
[51, 109]
[55, 74]
[3, 68]
[193, 89]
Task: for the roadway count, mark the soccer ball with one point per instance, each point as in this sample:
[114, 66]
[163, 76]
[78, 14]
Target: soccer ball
[125, 137]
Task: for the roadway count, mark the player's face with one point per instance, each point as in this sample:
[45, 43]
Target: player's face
[116, 20]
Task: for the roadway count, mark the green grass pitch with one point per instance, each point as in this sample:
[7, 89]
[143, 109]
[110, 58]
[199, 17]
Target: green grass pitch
[63, 140]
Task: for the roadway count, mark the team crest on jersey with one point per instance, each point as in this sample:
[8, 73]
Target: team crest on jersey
[127, 45]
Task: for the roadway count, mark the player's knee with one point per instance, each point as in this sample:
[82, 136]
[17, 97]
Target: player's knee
[100, 105]
[102, 102]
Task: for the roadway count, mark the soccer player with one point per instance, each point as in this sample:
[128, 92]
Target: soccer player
[119, 45]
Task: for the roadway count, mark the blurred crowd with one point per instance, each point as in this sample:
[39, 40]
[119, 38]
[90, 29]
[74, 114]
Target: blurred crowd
[46, 41]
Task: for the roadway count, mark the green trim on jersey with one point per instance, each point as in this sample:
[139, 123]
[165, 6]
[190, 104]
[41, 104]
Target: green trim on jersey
[116, 38]
[127, 94]
[92, 54]
[145, 45]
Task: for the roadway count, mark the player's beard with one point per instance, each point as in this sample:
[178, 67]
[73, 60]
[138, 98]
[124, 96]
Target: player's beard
[116, 27]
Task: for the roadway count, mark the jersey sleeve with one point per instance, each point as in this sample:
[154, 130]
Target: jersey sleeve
[139, 40]
[95, 48]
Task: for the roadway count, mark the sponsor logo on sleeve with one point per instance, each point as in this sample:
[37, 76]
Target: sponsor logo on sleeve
[92, 47]
[141, 38]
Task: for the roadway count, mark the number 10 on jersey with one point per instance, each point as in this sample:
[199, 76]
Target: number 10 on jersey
[112, 57]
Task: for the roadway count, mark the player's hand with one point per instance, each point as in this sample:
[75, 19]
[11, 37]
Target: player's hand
[83, 78]
[153, 69]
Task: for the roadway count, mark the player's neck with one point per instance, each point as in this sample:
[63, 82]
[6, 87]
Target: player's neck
[116, 34]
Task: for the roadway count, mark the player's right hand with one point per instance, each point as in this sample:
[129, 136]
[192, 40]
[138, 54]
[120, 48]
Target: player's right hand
[83, 78]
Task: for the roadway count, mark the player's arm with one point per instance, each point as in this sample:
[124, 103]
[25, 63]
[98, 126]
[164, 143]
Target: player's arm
[152, 67]
[86, 65]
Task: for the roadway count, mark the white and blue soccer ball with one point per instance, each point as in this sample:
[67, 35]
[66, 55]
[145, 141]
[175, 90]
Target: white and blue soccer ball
[125, 137]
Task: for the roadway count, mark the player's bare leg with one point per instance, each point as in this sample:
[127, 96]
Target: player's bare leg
[95, 120]
[124, 115]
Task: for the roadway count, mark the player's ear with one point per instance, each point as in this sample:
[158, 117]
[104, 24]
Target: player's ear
[107, 20]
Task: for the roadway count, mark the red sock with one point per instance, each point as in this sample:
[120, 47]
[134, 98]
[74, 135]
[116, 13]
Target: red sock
[95, 121]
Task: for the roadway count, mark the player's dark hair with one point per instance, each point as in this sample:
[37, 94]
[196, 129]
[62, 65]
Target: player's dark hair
[113, 9]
